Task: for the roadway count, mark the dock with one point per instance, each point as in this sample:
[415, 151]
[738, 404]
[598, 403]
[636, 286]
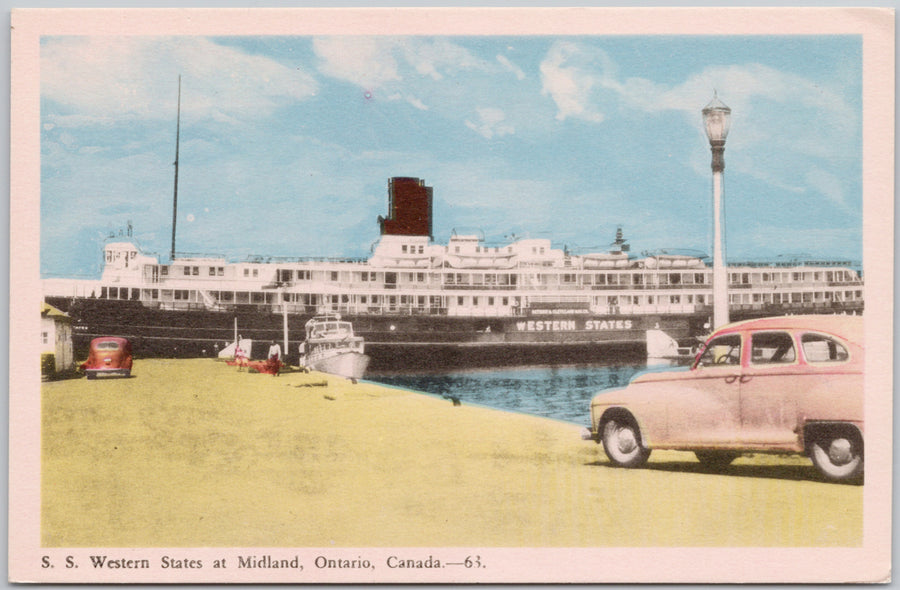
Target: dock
[193, 453]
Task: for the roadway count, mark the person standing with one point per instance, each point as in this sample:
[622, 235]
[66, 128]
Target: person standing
[274, 360]
[240, 357]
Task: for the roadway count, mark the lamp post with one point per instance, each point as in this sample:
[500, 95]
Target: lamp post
[717, 120]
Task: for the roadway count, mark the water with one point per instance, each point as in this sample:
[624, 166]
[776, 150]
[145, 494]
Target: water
[558, 392]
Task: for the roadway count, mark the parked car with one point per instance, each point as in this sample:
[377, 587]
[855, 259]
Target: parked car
[109, 355]
[789, 384]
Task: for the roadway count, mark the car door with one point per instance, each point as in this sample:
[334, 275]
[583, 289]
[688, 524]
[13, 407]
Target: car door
[771, 385]
[703, 409]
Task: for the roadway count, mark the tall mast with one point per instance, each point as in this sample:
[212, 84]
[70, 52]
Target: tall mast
[175, 196]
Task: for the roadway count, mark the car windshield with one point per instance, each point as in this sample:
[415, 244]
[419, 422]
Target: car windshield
[723, 350]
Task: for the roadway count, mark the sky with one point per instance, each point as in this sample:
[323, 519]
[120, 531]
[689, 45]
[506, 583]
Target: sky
[287, 143]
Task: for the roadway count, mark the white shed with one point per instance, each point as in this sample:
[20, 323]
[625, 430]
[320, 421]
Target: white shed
[56, 338]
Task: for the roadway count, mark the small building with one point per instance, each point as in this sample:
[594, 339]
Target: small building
[56, 340]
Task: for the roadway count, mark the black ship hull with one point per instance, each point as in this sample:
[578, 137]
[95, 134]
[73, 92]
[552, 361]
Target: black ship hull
[394, 342]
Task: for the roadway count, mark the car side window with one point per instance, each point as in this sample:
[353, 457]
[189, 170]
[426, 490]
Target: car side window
[819, 348]
[724, 350]
[769, 348]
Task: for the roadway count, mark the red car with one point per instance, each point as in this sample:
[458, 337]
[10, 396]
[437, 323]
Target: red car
[774, 385]
[109, 355]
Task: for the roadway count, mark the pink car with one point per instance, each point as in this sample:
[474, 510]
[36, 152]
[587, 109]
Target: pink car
[775, 385]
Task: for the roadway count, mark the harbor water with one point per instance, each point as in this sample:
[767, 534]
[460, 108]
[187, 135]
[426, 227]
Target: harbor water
[557, 392]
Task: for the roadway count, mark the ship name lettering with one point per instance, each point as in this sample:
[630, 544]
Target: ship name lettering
[102, 561]
[546, 326]
[608, 325]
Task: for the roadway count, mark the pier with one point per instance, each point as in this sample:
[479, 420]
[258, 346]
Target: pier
[193, 453]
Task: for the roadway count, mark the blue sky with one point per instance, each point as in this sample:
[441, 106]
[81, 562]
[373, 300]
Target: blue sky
[287, 143]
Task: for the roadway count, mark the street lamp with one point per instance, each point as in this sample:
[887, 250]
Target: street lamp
[717, 120]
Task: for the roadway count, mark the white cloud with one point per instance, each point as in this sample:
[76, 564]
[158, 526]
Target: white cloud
[430, 57]
[827, 184]
[417, 103]
[109, 78]
[393, 64]
[491, 123]
[504, 61]
[568, 78]
[367, 62]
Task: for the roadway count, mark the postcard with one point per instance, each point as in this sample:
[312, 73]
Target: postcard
[451, 295]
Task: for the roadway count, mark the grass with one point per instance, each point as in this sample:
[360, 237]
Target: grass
[193, 453]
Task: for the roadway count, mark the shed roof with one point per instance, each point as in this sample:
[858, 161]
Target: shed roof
[48, 310]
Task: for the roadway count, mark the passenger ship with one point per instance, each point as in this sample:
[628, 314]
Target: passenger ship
[420, 304]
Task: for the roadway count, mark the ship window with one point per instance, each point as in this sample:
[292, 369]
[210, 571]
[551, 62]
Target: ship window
[364, 276]
[45, 337]
[181, 294]
[164, 271]
[212, 271]
[421, 249]
[246, 272]
[675, 299]
[490, 301]
[420, 277]
[505, 301]
[220, 271]
[542, 249]
[674, 278]
[187, 271]
[474, 300]
[334, 275]
[403, 248]
[255, 272]
[460, 301]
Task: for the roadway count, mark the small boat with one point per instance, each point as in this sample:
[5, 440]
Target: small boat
[331, 347]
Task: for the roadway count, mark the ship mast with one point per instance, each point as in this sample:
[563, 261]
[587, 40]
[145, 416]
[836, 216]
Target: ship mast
[175, 196]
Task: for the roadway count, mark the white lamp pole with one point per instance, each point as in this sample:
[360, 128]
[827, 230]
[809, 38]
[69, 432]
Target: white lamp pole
[717, 120]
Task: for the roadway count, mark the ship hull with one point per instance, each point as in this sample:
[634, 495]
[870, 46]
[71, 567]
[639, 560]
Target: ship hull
[351, 365]
[394, 342]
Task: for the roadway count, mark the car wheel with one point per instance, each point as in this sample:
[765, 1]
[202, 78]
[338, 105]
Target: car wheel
[716, 459]
[622, 443]
[838, 456]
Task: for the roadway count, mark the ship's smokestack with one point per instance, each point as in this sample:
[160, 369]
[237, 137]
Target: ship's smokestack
[409, 208]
